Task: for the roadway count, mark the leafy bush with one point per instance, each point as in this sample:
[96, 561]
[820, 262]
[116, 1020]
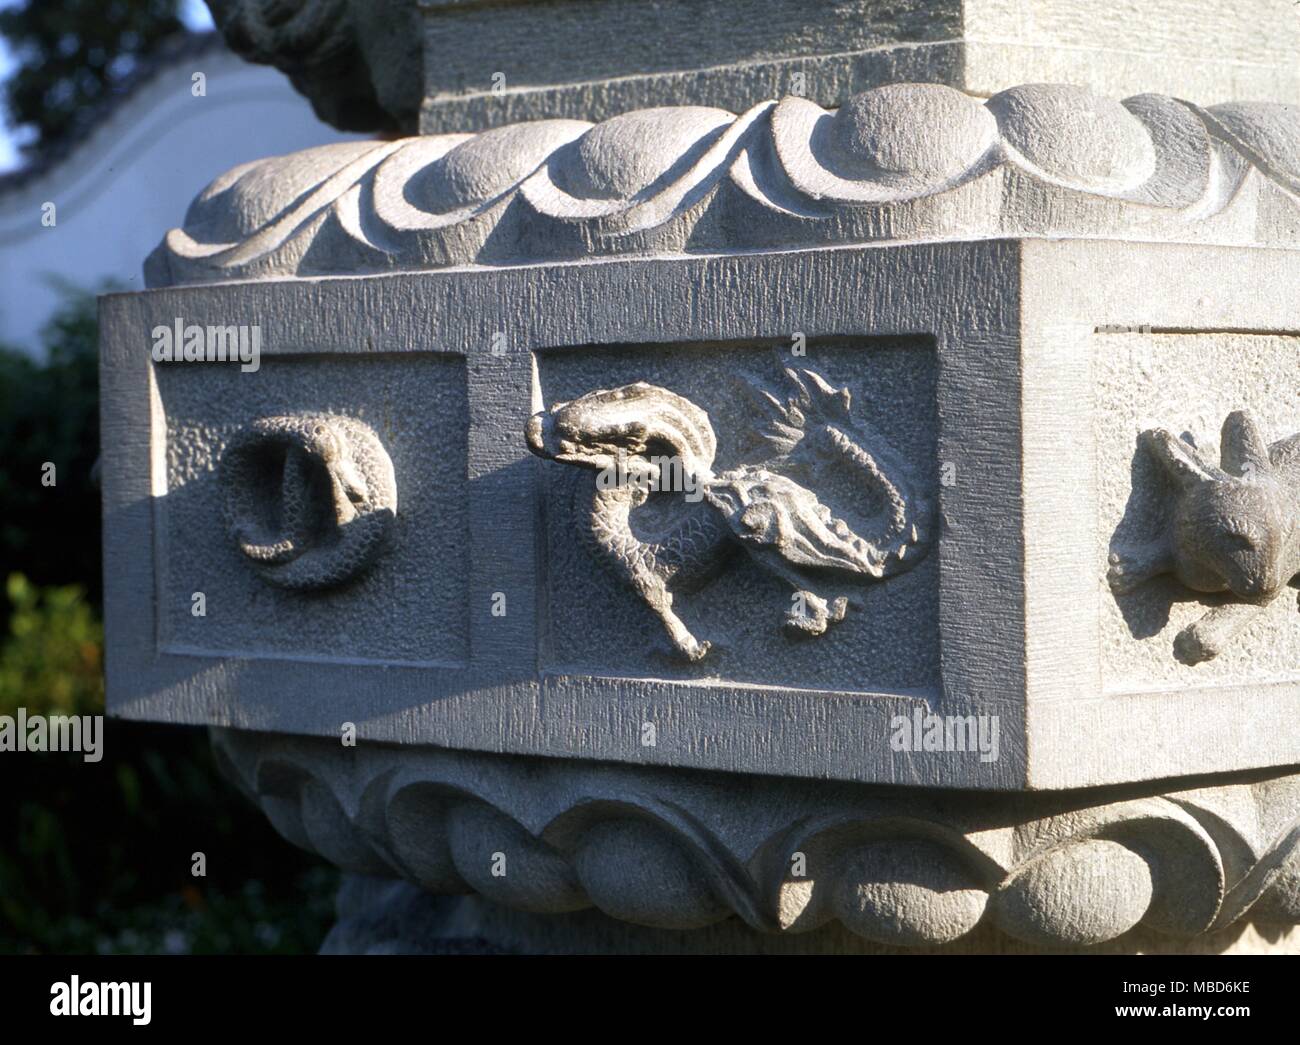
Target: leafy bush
[53, 661]
[96, 856]
[49, 412]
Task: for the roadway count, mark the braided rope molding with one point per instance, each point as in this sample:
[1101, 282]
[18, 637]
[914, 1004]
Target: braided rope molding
[682, 849]
[898, 162]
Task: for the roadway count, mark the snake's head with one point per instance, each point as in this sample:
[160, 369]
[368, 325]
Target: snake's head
[324, 443]
[327, 446]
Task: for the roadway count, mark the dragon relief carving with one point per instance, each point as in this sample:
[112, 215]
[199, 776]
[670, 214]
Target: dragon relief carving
[645, 441]
[1232, 528]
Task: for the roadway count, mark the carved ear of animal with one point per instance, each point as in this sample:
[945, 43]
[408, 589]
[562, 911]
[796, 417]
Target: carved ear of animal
[1242, 448]
[1182, 462]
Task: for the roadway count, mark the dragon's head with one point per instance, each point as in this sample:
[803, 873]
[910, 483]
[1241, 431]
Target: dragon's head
[625, 427]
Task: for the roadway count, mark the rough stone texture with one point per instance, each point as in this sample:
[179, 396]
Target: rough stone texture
[310, 500]
[1155, 352]
[683, 850]
[907, 161]
[1230, 528]
[411, 611]
[383, 916]
[974, 263]
[1206, 52]
[510, 694]
[724, 564]
[1189, 383]
[360, 61]
[1003, 340]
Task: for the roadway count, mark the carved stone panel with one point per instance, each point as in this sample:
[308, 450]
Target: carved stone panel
[1171, 405]
[226, 524]
[796, 555]
[1161, 510]
[952, 456]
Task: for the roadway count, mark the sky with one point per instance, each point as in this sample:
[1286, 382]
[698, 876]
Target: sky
[194, 13]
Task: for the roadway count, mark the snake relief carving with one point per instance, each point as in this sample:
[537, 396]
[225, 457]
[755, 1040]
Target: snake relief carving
[645, 441]
[309, 500]
[1232, 528]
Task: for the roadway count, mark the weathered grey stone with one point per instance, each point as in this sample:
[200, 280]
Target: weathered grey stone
[757, 507]
[1012, 620]
[384, 916]
[975, 361]
[1233, 528]
[908, 161]
[310, 500]
[360, 61]
[676, 849]
[939, 358]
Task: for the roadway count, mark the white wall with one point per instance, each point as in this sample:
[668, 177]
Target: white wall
[132, 179]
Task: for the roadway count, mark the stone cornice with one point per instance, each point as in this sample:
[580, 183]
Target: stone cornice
[686, 849]
[900, 162]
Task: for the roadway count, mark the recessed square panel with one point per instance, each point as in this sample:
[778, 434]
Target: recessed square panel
[861, 415]
[410, 606]
[1187, 383]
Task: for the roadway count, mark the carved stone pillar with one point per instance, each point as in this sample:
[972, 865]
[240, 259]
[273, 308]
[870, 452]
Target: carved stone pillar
[865, 519]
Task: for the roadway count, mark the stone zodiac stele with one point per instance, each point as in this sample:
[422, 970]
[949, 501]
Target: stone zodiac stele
[881, 526]
[309, 501]
[1233, 528]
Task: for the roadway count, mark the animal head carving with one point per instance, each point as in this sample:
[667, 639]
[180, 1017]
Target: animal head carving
[624, 427]
[1234, 526]
[1231, 535]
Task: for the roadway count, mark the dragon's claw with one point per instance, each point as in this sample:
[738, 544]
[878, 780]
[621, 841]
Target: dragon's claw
[694, 650]
[816, 614]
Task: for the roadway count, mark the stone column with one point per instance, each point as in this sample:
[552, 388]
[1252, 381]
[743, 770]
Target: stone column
[709, 483]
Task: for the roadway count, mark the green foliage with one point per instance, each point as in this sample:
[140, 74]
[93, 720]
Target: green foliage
[49, 412]
[96, 856]
[52, 662]
[72, 54]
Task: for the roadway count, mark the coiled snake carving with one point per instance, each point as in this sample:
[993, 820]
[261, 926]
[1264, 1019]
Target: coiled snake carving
[309, 500]
[643, 439]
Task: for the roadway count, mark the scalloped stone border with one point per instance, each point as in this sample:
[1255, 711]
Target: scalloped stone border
[682, 849]
[898, 162]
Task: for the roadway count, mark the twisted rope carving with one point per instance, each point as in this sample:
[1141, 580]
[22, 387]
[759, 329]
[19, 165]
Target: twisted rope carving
[788, 173]
[680, 851]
